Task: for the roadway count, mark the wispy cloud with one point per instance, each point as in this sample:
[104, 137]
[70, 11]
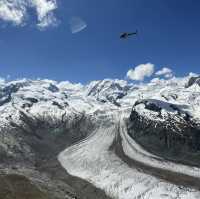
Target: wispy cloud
[141, 71]
[16, 11]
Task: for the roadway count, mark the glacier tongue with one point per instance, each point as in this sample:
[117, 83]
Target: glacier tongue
[94, 160]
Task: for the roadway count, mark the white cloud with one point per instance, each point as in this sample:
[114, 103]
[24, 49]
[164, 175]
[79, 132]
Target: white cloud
[12, 11]
[166, 72]
[16, 11]
[141, 71]
[45, 10]
[66, 85]
[191, 74]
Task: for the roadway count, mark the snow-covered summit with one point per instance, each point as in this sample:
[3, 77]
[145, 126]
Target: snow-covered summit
[100, 94]
[108, 90]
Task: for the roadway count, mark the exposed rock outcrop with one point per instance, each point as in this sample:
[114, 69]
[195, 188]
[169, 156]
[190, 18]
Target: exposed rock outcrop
[165, 129]
[192, 81]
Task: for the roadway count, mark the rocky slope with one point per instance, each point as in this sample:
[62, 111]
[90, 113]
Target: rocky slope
[168, 124]
[192, 81]
[37, 123]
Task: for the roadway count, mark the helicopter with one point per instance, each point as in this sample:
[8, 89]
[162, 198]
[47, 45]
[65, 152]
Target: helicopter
[126, 35]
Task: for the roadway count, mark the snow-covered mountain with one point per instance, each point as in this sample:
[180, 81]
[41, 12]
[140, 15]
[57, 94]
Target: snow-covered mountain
[41, 118]
[108, 90]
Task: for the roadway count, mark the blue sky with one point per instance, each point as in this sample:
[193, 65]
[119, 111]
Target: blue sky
[168, 37]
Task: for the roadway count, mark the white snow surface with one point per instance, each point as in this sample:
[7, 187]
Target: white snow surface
[109, 101]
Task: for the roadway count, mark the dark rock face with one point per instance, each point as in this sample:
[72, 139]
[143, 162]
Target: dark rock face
[7, 91]
[192, 81]
[12, 88]
[5, 99]
[175, 136]
[53, 88]
[31, 99]
[38, 138]
[17, 186]
[57, 104]
[149, 105]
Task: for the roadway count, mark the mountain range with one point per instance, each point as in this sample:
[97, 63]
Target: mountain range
[107, 139]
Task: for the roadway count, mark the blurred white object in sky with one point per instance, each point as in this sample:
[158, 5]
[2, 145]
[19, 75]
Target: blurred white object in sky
[77, 24]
